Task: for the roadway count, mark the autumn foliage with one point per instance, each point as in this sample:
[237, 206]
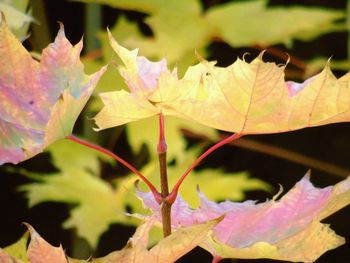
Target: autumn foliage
[41, 101]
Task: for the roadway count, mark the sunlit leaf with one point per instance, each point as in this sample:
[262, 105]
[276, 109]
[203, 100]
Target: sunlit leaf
[141, 77]
[169, 249]
[287, 229]
[40, 102]
[247, 98]
[252, 22]
[253, 98]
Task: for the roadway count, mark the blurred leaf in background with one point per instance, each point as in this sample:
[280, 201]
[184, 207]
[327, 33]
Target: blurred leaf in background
[18, 16]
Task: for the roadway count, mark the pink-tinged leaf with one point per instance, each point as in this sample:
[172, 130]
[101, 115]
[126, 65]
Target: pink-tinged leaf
[246, 98]
[40, 101]
[141, 76]
[39, 251]
[169, 249]
[287, 229]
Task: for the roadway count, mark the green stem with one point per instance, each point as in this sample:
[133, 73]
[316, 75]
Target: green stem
[348, 25]
[41, 35]
[92, 26]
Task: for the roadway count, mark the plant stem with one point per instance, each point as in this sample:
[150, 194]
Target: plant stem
[284, 56]
[41, 35]
[172, 196]
[93, 23]
[165, 206]
[154, 191]
[348, 25]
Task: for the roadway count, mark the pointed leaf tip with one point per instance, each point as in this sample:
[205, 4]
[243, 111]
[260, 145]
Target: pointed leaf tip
[33, 115]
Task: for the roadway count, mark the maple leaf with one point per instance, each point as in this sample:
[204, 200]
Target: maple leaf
[141, 77]
[174, 36]
[40, 101]
[287, 229]
[246, 98]
[97, 202]
[168, 249]
[254, 98]
[271, 24]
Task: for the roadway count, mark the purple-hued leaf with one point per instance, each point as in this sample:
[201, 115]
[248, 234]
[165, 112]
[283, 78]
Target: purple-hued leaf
[287, 229]
[40, 101]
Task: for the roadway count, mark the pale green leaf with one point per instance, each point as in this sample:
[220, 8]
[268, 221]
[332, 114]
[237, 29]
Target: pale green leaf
[252, 22]
[150, 6]
[18, 249]
[67, 156]
[97, 203]
[16, 16]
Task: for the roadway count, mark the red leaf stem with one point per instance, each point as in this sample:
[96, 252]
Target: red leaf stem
[172, 196]
[162, 146]
[154, 191]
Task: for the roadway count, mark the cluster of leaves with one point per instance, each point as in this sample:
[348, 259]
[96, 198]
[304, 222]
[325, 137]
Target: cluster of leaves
[288, 229]
[38, 117]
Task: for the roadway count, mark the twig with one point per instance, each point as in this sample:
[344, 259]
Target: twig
[280, 153]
